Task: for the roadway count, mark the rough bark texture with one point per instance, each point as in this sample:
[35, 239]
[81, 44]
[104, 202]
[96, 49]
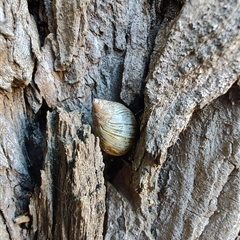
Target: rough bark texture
[205, 65]
[196, 195]
[72, 192]
[175, 64]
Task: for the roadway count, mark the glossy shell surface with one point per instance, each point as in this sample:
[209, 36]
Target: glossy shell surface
[115, 125]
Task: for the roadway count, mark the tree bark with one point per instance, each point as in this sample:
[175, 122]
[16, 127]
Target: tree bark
[175, 64]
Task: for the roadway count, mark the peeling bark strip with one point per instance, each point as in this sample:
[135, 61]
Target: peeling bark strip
[70, 26]
[201, 61]
[72, 193]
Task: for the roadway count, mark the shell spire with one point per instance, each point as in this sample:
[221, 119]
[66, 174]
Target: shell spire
[115, 125]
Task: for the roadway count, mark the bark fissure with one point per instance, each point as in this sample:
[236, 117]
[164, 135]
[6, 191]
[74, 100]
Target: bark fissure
[171, 62]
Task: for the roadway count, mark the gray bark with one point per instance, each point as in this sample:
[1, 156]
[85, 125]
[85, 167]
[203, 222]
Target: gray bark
[72, 191]
[175, 64]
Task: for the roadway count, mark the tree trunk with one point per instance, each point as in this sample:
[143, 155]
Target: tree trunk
[175, 64]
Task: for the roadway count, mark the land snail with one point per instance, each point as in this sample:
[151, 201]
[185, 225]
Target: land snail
[115, 125]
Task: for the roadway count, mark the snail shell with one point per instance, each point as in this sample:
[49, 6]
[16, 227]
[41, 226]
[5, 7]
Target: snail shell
[115, 125]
